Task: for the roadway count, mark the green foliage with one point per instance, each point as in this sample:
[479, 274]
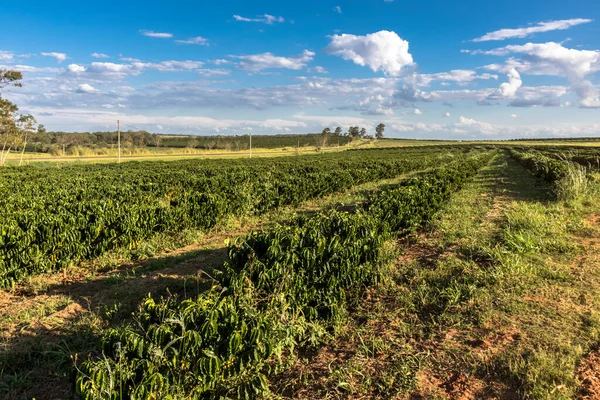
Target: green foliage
[51, 217]
[46, 143]
[282, 288]
[543, 166]
[570, 180]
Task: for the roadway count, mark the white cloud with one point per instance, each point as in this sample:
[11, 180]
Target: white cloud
[86, 88]
[503, 34]
[258, 62]
[100, 55]
[381, 51]
[199, 40]
[6, 56]
[32, 69]
[60, 57]
[446, 115]
[554, 59]
[76, 69]
[170, 65]
[220, 62]
[460, 76]
[158, 35]
[514, 116]
[508, 90]
[213, 72]
[416, 111]
[265, 19]
[109, 70]
[546, 96]
[318, 70]
[337, 9]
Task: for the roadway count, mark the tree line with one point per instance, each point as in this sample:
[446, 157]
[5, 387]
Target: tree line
[356, 132]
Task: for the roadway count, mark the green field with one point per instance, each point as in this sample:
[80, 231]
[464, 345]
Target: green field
[391, 269]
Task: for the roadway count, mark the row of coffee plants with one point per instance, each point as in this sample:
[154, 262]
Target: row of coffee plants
[588, 157]
[283, 288]
[548, 168]
[50, 217]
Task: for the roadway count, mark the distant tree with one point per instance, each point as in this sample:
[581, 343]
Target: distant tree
[26, 125]
[10, 134]
[353, 131]
[156, 138]
[192, 142]
[363, 133]
[379, 131]
[338, 131]
[322, 139]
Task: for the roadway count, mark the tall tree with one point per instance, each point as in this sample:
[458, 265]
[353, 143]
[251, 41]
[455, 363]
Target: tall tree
[326, 131]
[13, 126]
[379, 131]
[338, 131]
[363, 133]
[353, 131]
[9, 134]
[26, 125]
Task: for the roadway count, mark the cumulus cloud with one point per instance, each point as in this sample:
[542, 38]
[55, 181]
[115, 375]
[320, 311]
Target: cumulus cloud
[514, 116]
[416, 111]
[158, 35]
[100, 55]
[381, 51]
[337, 9]
[76, 69]
[86, 88]
[503, 34]
[265, 19]
[508, 90]
[60, 57]
[446, 115]
[198, 40]
[555, 59]
[545, 96]
[410, 91]
[258, 62]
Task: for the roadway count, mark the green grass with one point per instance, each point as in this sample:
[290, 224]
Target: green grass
[489, 302]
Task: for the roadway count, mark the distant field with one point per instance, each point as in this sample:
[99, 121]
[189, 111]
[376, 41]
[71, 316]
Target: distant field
[166, 154]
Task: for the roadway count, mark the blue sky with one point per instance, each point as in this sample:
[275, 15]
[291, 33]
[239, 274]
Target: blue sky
[432, 69]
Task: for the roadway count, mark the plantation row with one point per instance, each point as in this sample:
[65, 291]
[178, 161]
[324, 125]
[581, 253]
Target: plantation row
[283, 288]
[588, 157]
[50, 217]
[548, 168]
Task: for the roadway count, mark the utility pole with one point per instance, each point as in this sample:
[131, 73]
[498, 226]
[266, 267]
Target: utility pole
[119, 138]
[250, 144]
